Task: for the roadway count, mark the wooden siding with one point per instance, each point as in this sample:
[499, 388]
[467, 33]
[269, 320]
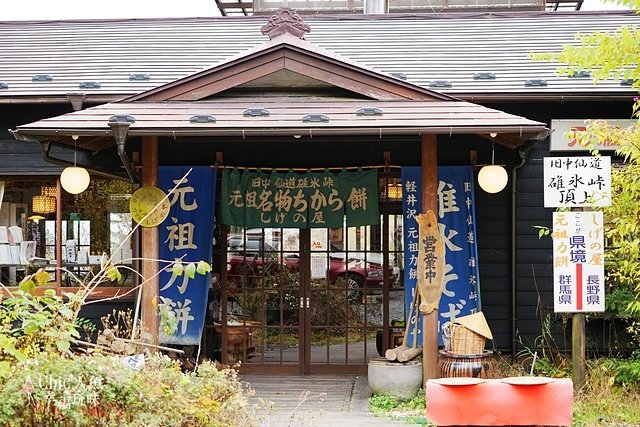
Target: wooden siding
[494, 250]
[19, 158]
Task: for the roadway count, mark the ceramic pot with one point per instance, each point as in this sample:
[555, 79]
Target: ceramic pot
[464, 365]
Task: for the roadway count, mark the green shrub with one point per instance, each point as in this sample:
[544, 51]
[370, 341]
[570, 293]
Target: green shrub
[411, 411]
[611, 395]
[31, 325]
[623, 372]
[103, 391]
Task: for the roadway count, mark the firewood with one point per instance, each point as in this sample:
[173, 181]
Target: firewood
[392, 353]
[408, 354]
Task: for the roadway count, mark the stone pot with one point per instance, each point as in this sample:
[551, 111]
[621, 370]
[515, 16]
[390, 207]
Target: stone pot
[401, 380]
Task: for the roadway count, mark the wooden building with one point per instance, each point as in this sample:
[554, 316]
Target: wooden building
[444, 84]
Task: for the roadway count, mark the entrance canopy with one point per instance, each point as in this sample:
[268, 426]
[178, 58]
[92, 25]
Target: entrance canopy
[305, 119]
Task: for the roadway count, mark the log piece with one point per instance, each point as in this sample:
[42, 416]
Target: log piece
[392, 353]
[409, 354]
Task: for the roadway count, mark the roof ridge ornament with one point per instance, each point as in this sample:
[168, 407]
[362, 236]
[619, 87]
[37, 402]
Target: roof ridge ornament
[285, 20]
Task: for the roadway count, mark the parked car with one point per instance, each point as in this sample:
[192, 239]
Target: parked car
[248, 256]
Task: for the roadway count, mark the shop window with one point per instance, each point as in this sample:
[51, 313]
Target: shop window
[76, 236]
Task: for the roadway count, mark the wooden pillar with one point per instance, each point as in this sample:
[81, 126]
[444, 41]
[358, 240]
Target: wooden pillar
[59, 243]
[430, 202]
[150, 244]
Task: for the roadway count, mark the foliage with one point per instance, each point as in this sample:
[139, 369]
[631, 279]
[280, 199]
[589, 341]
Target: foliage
[611, 395]
[101, 390]
[93, 204]
[33, 324]
[625, 372]
[42, 382]
[267, 286]
[34, 320]
[614, 55]
[411, 411]
[331, 305]
[558, 366]
[549, 360]
[605, 55]
[119, 322]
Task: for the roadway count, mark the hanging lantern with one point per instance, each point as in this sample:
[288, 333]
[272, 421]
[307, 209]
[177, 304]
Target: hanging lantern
[43, 204]
[492, 178]
[74, 179]
[49, 191]
[394, 191]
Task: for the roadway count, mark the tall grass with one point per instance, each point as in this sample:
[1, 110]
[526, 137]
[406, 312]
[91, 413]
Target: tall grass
[611, 396]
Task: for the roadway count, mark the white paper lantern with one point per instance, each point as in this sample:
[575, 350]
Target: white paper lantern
[74, 179]
[492, 178]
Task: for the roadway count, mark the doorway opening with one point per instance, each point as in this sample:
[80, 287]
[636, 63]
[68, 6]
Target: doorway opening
[309, 300]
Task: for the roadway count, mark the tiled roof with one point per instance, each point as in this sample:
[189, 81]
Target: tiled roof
[426, 48]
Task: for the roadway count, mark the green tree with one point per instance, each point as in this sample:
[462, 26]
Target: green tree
[614, 55]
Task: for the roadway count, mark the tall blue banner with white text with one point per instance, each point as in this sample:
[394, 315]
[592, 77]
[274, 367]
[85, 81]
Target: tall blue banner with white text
[187, 233]
[456, 223]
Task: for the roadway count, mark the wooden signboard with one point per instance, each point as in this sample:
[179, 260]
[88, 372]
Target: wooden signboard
[430, 262]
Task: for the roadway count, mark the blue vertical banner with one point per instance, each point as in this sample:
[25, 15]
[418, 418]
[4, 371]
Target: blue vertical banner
[187, 233]
[456, 222]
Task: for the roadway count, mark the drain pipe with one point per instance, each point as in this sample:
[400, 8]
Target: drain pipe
[45, 147]
[119, 129]
[514, 175]
[133, 176]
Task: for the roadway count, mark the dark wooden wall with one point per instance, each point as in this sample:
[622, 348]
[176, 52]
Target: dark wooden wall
[494, 215]
[534, 267]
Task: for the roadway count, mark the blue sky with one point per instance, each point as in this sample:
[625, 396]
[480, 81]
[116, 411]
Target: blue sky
[81, 9]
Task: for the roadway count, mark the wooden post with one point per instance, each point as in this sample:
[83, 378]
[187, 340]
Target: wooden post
[59, 243]
[578, 353]
[150, 244]
[429, 202]
[578, 343]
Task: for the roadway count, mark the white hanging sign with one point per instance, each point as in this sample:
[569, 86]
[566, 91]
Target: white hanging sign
[578, 262]
[583, 181]
[560, 140]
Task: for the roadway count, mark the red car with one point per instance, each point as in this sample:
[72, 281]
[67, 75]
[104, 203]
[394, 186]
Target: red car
[247, 259]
